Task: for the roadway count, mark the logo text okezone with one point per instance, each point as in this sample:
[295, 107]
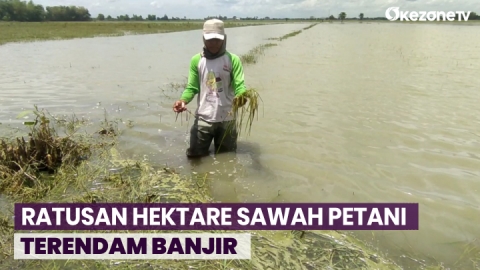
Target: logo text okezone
[425, 15]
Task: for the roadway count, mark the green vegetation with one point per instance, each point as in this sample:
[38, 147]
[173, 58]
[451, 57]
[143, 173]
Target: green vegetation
[292, 34]
[23, 22]
[16, 10]
[23, 11]
[310, 26]
[23, 32]
[252, 55]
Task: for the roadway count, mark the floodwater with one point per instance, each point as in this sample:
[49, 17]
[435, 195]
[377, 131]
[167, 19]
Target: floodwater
[371, 112]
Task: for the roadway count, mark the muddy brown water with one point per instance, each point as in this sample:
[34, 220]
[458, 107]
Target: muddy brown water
[372, 112]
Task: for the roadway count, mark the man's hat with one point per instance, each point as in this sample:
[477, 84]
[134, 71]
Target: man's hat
[213, 29]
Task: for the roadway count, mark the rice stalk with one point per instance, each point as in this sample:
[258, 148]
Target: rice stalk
[242, 109]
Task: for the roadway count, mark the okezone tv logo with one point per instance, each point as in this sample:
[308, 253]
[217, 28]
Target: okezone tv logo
[425, 15]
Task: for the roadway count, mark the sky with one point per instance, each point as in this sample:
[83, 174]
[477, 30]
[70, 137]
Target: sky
[199, 9]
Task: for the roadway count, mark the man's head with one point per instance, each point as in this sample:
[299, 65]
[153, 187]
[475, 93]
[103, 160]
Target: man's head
[214, 35]
[213, 29]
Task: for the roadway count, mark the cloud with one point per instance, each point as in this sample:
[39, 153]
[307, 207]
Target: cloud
[227, 2]
[156, 4]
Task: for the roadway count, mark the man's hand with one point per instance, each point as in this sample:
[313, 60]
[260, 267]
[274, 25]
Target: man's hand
[179, 106]
[239, 101]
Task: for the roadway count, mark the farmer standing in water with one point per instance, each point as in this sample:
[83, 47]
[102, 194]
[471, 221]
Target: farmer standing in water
[216, 75]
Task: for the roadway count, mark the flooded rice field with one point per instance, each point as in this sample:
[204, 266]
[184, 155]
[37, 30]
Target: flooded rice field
[371, 112]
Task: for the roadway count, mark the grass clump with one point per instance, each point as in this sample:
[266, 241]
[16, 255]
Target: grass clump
[44, 151]
[294, 33]
[310, 26]
[252, 56]
[287, 35]
[28, 163]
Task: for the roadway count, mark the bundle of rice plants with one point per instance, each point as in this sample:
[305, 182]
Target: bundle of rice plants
[245, 107]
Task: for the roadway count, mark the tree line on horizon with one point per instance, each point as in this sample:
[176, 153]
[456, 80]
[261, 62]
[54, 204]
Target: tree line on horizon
[23, 11]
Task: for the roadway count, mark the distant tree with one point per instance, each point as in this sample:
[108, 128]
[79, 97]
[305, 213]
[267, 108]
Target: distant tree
[342, 16]
[101, 17]
[67, 13]
[16, 10]
[361, 16]
[123, 17]
[331, 17]
[137, 18]
[473, 16]
[35, 13]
